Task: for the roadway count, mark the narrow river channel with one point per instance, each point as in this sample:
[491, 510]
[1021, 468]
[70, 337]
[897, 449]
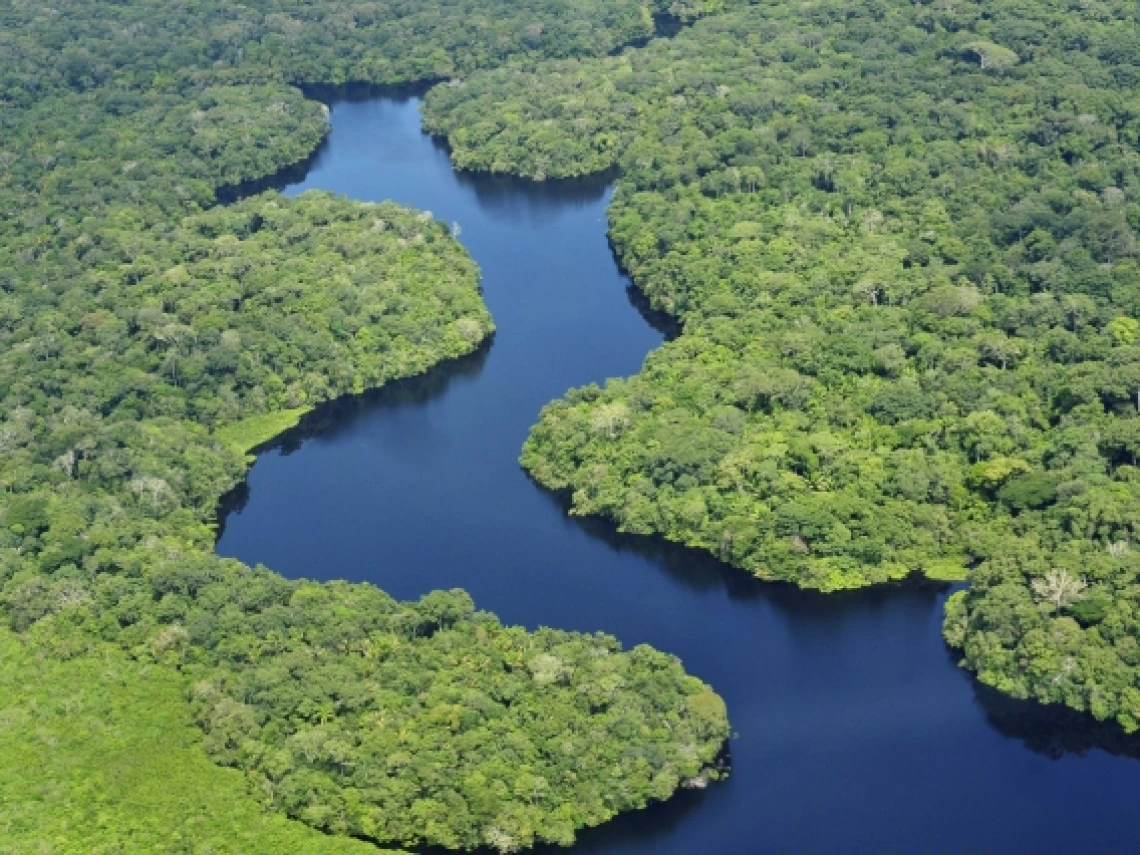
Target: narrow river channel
[856, 731]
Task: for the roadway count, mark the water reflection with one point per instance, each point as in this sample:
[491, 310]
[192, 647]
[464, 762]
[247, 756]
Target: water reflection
[359, 93]
[335, 418]
[638, 830]
[667, 325]
[503, 196]
[700, 572]
[644, 829]
[1053, 731]
[285, 177]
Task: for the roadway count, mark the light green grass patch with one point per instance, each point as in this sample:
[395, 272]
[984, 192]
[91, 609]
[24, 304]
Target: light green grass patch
[247, 434]
[98, 755]
[946, 570]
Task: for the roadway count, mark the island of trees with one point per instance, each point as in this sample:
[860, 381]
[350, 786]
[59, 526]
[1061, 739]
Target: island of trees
[149, 338]
[902, 241]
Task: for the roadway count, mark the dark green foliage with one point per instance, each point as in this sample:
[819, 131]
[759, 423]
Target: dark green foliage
[1034, 490]
[902, 238]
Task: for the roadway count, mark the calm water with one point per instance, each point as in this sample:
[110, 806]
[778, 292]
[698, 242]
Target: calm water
[856, 732]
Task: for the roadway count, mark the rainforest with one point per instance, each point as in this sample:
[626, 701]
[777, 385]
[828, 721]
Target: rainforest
[898, 242]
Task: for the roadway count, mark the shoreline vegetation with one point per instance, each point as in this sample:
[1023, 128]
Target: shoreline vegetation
[251, 432]
[152, 339]
[903, 242]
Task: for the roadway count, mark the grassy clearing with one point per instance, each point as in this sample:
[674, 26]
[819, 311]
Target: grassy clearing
[249, 433]
[98, 755]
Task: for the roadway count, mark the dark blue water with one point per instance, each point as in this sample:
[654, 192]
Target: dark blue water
[856, 732]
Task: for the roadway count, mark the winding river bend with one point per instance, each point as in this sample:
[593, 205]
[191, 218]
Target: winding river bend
[856, 732]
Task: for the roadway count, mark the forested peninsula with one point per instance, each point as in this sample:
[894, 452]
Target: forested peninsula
[151, 337]
[902, 240]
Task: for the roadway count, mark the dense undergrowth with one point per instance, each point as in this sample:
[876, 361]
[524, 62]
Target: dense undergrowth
[902, 239]
[148, 339]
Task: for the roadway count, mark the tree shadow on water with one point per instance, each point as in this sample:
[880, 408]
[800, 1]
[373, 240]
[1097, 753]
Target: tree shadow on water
[701, 572]
[1053, 730]
[358, 93]
[280, 180]
[341, 415]
[513, 199]
[632, 831]
[639, 830]
[668, 326]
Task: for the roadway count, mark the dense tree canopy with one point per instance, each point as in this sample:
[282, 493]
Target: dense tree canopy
[149, 337]
[902, 238]
[147, 44]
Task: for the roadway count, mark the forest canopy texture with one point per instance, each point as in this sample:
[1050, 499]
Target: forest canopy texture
[902, 239]
[148, 337]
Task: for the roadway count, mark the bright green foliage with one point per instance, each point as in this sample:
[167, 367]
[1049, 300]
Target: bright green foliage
[252, 431]
[991, 56]
[903, 241]
[149, 339]
[99, 755]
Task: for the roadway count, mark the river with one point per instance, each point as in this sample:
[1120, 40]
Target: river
[856, 732]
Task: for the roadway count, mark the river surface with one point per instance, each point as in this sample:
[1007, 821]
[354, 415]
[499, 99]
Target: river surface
[856, 731]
